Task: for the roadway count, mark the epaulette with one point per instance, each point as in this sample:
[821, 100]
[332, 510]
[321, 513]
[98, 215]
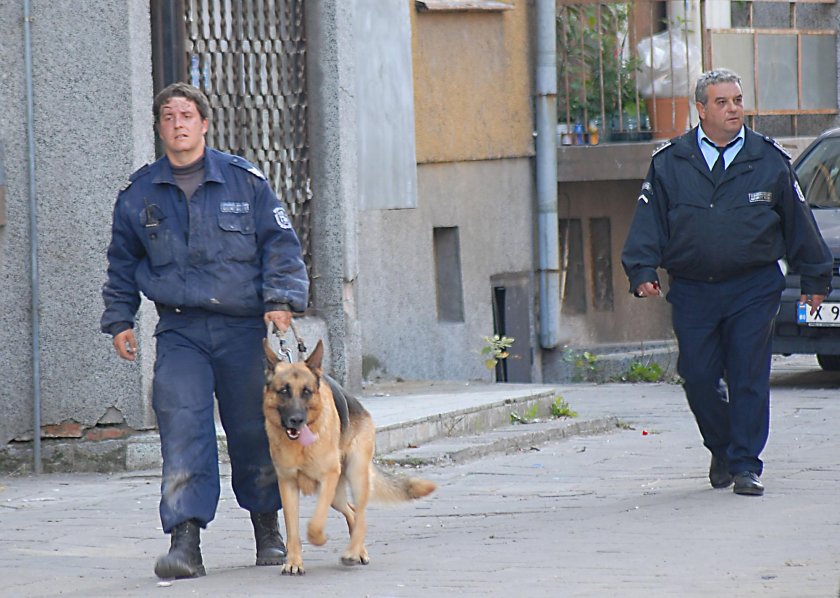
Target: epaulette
[660, 148]
[778, 146]
[134, 176]
[245, 165]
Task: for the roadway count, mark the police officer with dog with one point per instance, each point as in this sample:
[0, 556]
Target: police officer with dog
[201, 233]
[719, 207]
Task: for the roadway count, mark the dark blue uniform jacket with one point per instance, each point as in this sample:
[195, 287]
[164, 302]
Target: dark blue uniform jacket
[755, 216]
[231, 249]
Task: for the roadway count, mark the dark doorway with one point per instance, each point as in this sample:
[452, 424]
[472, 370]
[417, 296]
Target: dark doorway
[512, 317]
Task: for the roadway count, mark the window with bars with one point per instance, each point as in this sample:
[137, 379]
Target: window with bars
[785, 56]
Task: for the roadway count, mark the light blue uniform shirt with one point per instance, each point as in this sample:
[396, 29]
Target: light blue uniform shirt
[711, 154]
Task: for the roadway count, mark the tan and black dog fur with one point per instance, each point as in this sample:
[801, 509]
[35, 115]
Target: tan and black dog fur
[298, 395]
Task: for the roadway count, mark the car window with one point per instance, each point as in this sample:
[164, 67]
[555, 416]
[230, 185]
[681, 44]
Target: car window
[819, 174]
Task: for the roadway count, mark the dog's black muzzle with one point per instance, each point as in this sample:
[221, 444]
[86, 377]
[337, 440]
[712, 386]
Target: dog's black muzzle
[293, 421]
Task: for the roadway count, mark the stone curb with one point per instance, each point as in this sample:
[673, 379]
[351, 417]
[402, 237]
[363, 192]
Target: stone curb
[503, 440]
[480, 427]
[473, 420]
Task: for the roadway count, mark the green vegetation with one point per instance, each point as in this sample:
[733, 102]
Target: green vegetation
[585, 365]
[529, 417]
[643, 372]
[495, 350]
[560, 408]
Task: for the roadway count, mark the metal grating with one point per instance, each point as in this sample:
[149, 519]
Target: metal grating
[249, 57]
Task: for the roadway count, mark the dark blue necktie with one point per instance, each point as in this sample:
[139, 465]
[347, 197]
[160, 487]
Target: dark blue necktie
[719, 166]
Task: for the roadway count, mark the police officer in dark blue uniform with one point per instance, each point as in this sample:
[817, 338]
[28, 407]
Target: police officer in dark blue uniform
[719, 207]
[202, 234]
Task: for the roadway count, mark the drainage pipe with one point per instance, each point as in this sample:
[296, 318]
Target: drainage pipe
[33, 243]
[546, 172]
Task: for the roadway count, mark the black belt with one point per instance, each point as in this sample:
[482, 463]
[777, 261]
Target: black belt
[184, 311]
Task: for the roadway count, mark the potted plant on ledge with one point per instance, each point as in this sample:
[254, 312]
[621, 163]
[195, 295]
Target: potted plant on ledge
[667, 66]
[596, 76]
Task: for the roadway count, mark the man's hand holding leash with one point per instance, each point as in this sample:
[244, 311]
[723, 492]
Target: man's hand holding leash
[281, 319]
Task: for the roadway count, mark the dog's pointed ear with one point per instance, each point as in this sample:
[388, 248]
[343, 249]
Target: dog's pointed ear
[313, 362]
[273, 358]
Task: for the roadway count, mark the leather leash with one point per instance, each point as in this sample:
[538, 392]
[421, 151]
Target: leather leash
[284, 350]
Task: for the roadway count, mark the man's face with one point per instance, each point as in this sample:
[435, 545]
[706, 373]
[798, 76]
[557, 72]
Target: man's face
[182, 131]
[723, 114]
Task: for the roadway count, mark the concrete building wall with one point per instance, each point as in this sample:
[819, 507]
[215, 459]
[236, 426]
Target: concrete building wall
[92, 127]
[402, 336]
[473, 123]
[334, 170]
[472, 84]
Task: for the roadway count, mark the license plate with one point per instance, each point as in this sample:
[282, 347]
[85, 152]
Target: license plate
[828, 314]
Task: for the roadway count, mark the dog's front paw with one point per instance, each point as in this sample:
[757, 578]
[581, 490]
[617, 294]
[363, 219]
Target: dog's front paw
[295, 568]
[316, 535]
[350, 559]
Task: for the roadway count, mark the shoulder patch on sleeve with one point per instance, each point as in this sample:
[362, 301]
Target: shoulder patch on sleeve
[798, 190]
[245, 165]
[778, 146]
[281, 218]
[665, 145]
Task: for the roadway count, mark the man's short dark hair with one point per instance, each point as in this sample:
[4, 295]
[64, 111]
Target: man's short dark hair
[181, 90]
[713, 78]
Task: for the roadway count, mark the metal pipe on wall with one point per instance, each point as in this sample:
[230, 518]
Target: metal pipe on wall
[546, 172]
[33, 243]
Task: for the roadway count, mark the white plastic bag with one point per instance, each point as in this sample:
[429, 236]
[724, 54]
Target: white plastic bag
[667, 66]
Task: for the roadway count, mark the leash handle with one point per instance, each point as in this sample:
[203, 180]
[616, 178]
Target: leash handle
[300, 346]
[271, 328]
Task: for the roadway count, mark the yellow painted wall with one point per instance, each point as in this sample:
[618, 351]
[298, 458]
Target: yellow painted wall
[472, 84]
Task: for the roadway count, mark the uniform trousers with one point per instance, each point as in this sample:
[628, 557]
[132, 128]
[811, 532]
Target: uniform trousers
[724, 331]
[201, 354]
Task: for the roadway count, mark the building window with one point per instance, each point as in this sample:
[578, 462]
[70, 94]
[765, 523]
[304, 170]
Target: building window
[572, 273]
[600, 247]
[449, 286]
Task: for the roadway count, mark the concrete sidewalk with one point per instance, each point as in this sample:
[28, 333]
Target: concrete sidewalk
[621, 513]
[406, 414]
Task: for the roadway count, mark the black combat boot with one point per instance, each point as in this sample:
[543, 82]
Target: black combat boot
[184, 557]
[270, 547]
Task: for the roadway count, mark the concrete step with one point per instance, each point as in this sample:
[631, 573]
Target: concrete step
[506, 439]
[407, 415]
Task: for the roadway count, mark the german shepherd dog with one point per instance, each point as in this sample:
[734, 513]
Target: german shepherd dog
[322, 440]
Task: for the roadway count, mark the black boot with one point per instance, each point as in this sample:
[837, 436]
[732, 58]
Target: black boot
[270, 547]
[184, 557]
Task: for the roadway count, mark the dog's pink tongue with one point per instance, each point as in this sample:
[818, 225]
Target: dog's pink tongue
[306, 436]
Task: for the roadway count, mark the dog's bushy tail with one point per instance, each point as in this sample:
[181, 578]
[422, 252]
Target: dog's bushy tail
[390, 488]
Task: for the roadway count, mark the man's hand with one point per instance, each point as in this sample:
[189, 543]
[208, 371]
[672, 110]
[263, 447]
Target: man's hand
[814, 301]
[126, 345]
[281, 319]
[648, 289]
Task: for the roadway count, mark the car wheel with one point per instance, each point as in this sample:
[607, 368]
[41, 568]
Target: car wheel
[830, 363]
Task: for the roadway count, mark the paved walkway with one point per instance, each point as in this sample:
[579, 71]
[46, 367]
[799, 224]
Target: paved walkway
[625, 512]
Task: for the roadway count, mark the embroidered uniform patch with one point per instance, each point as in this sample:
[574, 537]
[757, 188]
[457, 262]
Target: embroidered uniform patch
[646, 188]
[234, 207]
[761, 197]
[281, 218]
